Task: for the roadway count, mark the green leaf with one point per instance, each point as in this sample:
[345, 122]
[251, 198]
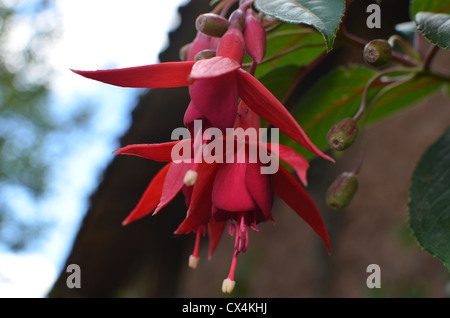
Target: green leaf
[338, 95]
[324, 15]
[308, 44]
[279, 80]
[335, 96]
[436, 6]
[429, 206]
[435, 27]
[405, 95]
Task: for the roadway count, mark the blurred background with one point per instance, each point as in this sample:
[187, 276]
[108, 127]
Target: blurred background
[58, 131]
[63, 195]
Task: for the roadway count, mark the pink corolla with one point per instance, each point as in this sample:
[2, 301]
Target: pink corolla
[236, 194]
[215, 86]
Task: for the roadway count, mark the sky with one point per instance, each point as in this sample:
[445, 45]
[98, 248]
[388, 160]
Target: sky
[94, 34]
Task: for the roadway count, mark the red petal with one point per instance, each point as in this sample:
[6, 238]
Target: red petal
[199, 212]
[230, 192]
[260, 187]
[232, 45]
[288, 189]
[247, 118]
[261, 101]
[200, 43]
[213, 67]
[173, 183]
[295, 160]
[158, 152]
[191, 114]
[217, 99]
[150, 198]
[170, 74]
[215, 234]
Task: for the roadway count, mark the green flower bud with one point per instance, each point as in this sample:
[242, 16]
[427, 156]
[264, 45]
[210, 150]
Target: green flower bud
[204, 55]
[343, 134]
[211, 24]
[342, 190]
[377, 52]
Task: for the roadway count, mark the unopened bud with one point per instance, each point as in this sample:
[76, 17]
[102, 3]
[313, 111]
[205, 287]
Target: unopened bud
[255, 37]
[193, 261]
[237, 19]
[204, 55]
[211, 24]
[377, 52]
[342, 190]
[228, 286]
[343, 134]
[184, 51]
[190, 178]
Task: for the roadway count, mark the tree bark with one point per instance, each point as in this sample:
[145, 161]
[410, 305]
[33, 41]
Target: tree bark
[144, 258]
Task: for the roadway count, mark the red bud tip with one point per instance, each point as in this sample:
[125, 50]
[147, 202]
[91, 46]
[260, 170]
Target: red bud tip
[255, 37]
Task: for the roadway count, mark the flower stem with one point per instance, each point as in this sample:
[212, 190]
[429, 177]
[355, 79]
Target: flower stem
[405, 45]
[429, 57]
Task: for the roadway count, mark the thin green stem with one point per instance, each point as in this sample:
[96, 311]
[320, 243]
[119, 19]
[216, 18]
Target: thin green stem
[273, 26]
[289, 32]
[429, 57]
[405, 46]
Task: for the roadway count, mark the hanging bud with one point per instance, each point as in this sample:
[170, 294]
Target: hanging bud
[211, 24]
[232, 44]
[184, 51]
[200, 43]
[342, 190]
[343, 134]
[204, 55]
[237, 19]
[377, 52]
[255, 37]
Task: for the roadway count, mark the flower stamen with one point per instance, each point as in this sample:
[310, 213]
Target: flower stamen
[194, 258]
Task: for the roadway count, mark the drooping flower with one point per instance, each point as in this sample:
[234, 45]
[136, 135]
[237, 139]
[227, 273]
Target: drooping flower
[226, 192]
[215, 85]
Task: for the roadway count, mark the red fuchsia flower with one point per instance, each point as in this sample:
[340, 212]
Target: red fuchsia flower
[215, 85]
[237, 192]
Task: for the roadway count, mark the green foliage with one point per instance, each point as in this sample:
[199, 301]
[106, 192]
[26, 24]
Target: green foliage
[303, 44]
[340, 94]
[436, 6]
[435, 27]
[323, 15]
[433, 20]
[430, 200]
[335, 96]
[24, 116]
